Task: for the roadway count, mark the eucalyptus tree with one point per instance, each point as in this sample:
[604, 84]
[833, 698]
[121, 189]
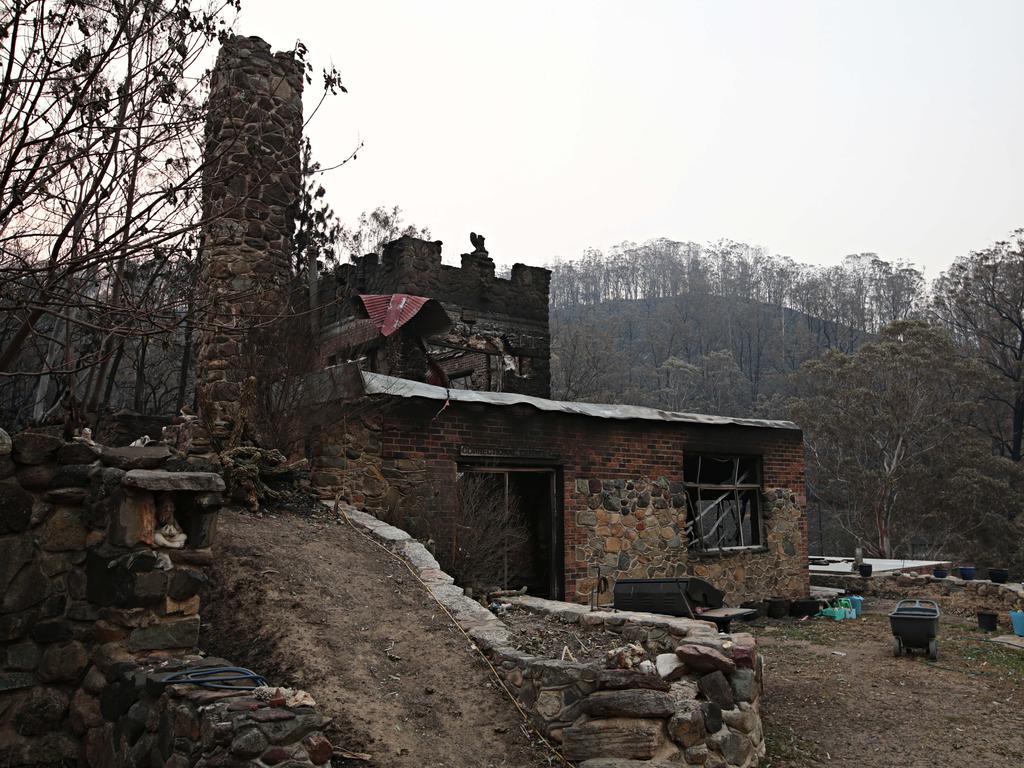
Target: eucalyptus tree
[892, 454]
[981, 300]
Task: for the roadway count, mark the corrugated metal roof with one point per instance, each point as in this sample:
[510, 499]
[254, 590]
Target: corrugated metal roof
[379, 384]
[391, 311]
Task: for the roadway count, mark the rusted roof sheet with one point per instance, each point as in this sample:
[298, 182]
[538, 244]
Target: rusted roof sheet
[379, 384]
[390, 312]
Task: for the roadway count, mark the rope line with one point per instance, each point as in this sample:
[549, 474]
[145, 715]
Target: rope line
[487, 661]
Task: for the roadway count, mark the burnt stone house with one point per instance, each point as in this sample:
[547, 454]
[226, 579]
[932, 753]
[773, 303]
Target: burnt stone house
[613, 491]
[418, 396]
[434, 375]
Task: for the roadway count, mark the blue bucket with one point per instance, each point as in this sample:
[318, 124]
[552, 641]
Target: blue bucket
[966, 573]
[1017, 617]
[858, 603]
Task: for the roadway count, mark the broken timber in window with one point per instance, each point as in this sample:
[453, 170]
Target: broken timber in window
[723, 501]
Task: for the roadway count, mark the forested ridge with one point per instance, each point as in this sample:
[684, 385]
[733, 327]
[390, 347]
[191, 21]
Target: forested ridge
[910, 393]
[717, 327]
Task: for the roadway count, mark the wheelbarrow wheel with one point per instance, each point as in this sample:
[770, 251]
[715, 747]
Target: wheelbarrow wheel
[933, 650]
[897, 647]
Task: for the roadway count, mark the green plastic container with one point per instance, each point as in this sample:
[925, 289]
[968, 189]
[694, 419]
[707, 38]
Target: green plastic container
[858, 604]
[840, 610]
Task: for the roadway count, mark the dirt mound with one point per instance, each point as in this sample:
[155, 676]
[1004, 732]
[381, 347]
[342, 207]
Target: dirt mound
[308, 602]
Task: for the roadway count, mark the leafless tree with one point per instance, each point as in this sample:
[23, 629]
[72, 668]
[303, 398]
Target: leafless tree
[101, 106]
[375, 228]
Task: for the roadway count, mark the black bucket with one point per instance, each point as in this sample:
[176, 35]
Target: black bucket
[988, 620]
[778, 607]
[865, 569]
[805, 606]
[998, 575]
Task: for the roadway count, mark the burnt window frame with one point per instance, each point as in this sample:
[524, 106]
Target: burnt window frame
[738, 486]
[462, 380]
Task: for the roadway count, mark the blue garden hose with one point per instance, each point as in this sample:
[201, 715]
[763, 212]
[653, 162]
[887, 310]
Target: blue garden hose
[226, 678]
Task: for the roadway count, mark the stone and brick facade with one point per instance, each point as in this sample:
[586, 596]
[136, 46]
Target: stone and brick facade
[620, 483]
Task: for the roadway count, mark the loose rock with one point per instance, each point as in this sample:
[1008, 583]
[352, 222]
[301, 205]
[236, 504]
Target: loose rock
[702, 659]
[669, 666]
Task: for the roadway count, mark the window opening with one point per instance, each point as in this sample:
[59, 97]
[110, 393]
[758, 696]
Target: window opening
[723, 496]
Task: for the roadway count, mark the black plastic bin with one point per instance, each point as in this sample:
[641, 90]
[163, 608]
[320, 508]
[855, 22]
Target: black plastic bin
[915, 624]
[667, 596]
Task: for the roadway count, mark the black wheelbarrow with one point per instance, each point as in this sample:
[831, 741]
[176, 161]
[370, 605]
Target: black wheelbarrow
[915, 624]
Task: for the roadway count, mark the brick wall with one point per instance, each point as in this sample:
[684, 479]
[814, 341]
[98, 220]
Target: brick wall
[416, 447]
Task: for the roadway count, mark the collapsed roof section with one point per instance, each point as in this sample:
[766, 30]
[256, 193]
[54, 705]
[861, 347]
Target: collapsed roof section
[389, 312]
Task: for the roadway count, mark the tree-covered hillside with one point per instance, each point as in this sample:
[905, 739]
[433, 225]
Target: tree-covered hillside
[717, 328]
[911, 396]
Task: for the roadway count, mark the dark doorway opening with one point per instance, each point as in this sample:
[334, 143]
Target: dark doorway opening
[530, 549]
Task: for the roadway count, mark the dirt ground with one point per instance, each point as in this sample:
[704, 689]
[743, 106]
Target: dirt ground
[836, 696]
[311, 603]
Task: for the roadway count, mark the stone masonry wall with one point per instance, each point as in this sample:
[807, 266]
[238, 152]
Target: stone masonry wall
[94, 602]
[487, 312]
[635, 529]
[155, 721]
[778, 569]
[251, 182]
[84, 584]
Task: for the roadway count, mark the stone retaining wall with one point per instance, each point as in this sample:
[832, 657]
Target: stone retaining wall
[177, 726]
[699, 707]
[89, 596]
[952, 594]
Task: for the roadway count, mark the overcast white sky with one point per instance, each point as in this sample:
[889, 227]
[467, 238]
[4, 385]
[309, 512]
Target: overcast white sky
[815, 128]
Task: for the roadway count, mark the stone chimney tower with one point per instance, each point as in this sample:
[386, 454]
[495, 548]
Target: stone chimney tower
[251, 183]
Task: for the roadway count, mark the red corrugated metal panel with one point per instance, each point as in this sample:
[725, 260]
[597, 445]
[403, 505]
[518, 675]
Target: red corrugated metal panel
[391, 312]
